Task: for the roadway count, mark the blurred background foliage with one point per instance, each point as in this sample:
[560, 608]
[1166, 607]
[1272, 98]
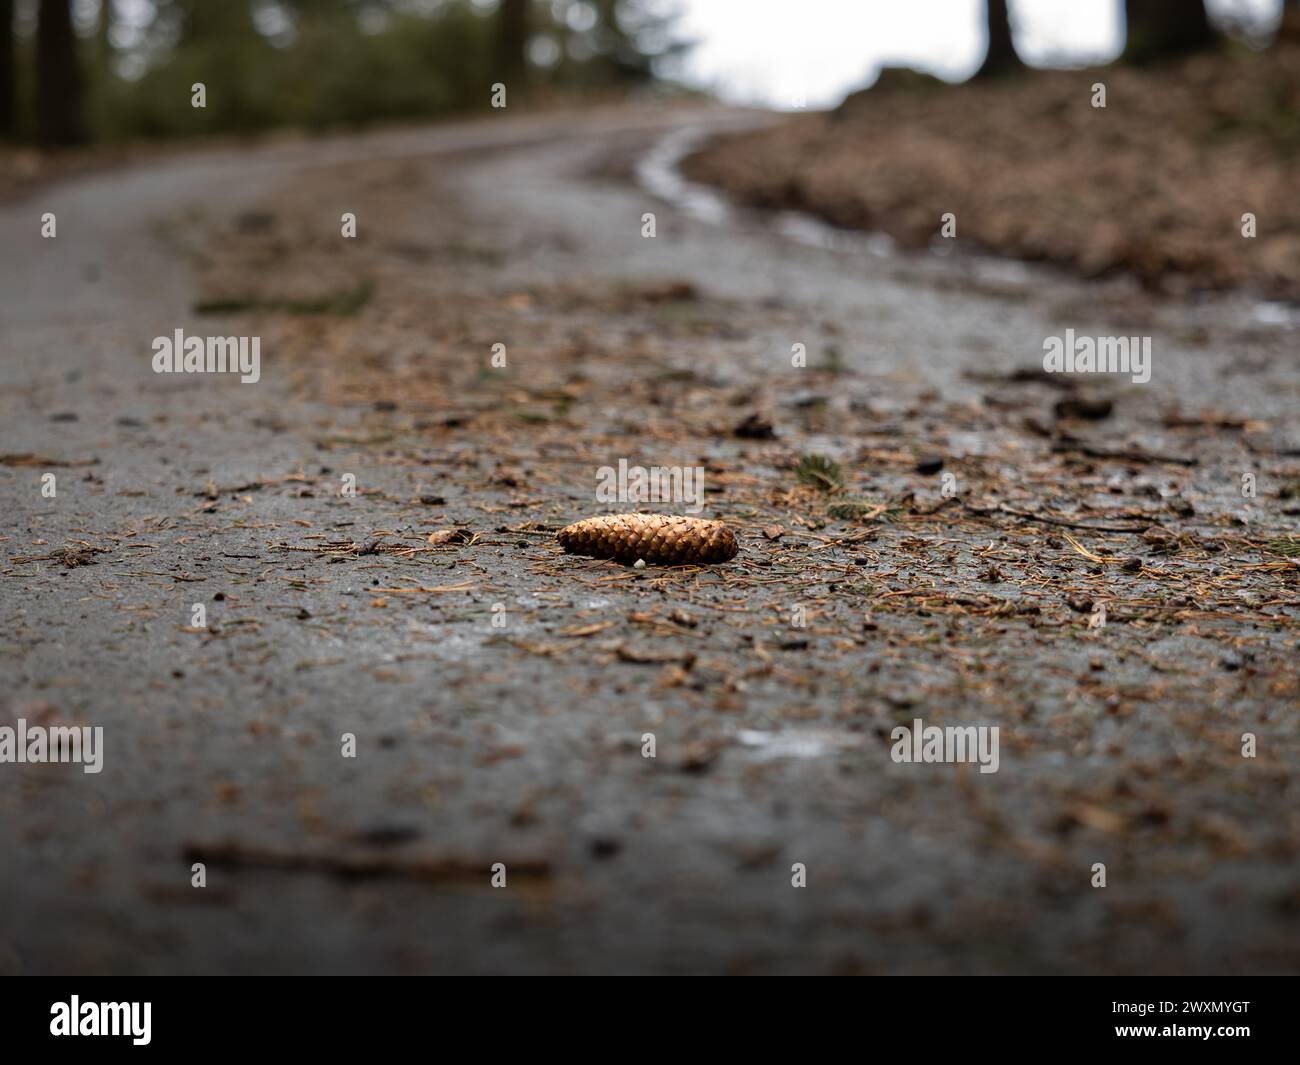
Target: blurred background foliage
[73, 71]
[81, 71]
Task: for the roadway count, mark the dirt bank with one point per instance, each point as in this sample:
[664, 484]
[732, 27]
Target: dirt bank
[1156, 183]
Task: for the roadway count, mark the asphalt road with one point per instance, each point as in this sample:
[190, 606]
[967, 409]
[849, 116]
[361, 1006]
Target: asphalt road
[522, 744]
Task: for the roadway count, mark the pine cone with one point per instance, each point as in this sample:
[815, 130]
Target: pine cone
[665, 538]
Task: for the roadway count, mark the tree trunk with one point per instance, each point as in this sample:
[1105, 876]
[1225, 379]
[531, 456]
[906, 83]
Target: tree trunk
[1289, 29]
[1001, 58]
[8, 72]
[59, 118]
[103, 46]
[512, 44]
[1166, 29]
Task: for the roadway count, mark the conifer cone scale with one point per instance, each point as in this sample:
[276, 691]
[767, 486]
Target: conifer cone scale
[668, 539]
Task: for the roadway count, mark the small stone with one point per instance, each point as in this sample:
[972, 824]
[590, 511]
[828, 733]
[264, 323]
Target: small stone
[605, 847]
[755, 427]
[1090, 408]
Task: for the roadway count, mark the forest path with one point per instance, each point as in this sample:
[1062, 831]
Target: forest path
[522, 744]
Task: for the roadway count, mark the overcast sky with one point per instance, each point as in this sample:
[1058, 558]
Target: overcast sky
[767, 51]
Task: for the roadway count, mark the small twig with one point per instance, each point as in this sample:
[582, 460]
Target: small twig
[1124, 454]
[1048, 520]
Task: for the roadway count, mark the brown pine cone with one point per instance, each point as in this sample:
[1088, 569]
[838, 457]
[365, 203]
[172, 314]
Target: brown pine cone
[665, 538]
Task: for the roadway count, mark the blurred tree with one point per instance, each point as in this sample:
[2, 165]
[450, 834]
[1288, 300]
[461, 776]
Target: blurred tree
[316, 64]
[635, 34]
[1001, 58]
[102, 87]
[59, 95]
[215, 44]
[8, 71]
[512, 45]
[1289, 30]
[202, 21]
[610, 43]
[103, 43]
[1165, 29]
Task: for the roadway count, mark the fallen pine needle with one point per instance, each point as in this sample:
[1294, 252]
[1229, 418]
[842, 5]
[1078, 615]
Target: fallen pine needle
[1086, 553]
[588, 630]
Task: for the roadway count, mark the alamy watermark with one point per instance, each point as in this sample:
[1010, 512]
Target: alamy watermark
[103, 1018]
[182, 354]
[36, 743]
[682, 485]
[930, 743]
[1071, 354]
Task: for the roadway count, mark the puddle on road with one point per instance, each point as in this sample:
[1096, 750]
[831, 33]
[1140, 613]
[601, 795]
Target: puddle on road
[797, 743]
[659, 173]
[1282, 315]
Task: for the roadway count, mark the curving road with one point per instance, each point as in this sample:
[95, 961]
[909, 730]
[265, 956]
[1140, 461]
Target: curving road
[522, 745]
